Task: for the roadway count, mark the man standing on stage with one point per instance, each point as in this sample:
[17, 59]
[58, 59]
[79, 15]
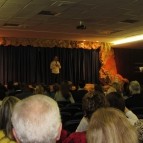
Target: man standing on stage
[55, 66]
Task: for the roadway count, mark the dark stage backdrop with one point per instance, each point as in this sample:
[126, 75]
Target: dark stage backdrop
[128, 62]
[30, 64]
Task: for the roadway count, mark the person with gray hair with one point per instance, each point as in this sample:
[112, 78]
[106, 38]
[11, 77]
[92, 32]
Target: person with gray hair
[136, 99]
[36, 119]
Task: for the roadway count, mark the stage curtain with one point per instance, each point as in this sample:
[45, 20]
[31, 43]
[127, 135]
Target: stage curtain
[32, 64]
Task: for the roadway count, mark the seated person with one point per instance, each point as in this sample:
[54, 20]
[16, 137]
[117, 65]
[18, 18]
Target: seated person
[78, 95]
[56, 87]
[116, 100]
[63, 94]
[9, 87]
[39, 89]
[98, 87]
[91, 102]
[36, 119]
[6, 109]
[26, 92]
[109, 125]
[136, 99]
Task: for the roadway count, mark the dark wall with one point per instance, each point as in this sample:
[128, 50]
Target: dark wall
[128, 62]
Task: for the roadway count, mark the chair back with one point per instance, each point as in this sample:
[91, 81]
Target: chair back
[71, 125]
[138, 111]
[75, 105]
[66, 116]
[71, 110]
[78, 116]
[64, 103]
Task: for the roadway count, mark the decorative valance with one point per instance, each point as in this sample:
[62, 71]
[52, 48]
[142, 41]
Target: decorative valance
[50, 43]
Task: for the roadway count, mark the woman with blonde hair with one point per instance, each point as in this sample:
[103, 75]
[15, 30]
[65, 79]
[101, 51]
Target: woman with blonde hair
[6, 109]
[39, 89]
[110, 125]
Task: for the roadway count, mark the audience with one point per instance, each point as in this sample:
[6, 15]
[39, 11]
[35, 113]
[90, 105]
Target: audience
[91, 102]
[63, 94]
[111, 89]
[117, 87]
[78, 95]
[36, 119]
[39, 90]
[109, 125]
[56, 87]
[116, 100]
[136, 99]
[10, 88]
[98, 87]
[26, 92]
[6, 109]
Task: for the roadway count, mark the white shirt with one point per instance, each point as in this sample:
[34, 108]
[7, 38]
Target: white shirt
[132, 118]
[54, 67]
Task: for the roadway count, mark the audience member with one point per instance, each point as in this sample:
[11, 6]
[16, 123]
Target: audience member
[126, 91]
[3, 88]
[111, 89]
[10, 88]
[117, 87]
[78, 95]
[136, 99]
[63, 94]
[26, 92]
[98, 87]
[17, 90]
[36, 119]
[116, 100]
[109, 125]
[6, 109]
[91, 102]
[56, 87]
[2, 95]
[39, 90]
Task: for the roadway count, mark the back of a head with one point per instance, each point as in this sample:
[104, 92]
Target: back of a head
[92, 101]
[56, 87]
[111, 89]
[2, 95]
[134, 87]
[16, 86]
[116, 86]
[116, 100]
[65, 90]
[98, 87]
[24, 86]
[81, 83]
[36, 119]
[110, 125]
[6, 109]
[39, 89]
[10, 85]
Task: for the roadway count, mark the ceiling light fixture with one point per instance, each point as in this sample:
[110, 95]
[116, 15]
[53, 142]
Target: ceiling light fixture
[130, 39]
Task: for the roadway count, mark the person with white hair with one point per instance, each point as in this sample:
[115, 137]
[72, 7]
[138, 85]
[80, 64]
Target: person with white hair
[136, 99]
[36, 119]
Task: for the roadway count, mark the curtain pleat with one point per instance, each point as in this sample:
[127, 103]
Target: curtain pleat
[30, 64]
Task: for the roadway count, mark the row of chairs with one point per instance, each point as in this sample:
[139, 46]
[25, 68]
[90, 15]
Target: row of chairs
[138, 111]
[71, 114]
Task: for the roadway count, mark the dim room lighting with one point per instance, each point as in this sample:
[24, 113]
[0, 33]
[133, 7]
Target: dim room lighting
[130, 39]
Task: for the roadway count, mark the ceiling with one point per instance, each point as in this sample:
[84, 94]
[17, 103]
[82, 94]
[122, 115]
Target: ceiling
[105, 20]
